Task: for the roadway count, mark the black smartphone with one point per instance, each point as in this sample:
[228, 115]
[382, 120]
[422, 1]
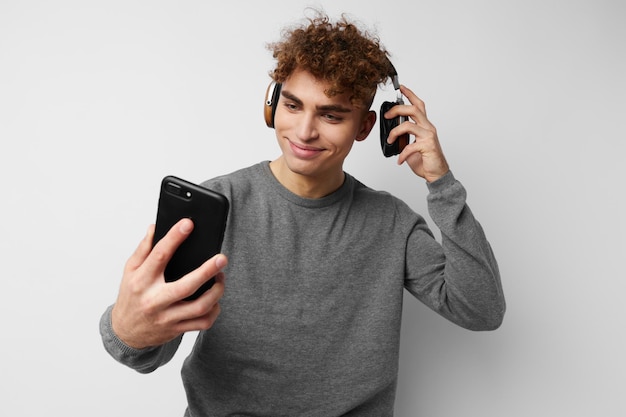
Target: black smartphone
[207, 209]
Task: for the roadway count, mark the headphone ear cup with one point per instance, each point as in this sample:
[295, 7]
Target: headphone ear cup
[386, 125]
[271, 99]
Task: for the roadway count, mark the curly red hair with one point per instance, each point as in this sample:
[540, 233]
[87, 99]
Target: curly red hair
[349, 59]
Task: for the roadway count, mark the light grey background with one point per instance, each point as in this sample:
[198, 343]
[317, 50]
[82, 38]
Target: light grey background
[100, 100]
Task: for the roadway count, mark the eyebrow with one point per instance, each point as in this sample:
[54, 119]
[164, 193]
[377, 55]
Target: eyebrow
[327, 107]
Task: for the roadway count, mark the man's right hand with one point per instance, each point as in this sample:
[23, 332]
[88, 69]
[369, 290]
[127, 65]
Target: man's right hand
[149, 311]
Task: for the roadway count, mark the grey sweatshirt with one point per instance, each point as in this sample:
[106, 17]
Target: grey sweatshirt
[310, 321]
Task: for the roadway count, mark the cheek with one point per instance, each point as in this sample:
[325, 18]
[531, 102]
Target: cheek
[340, 148]
[347, 146]
[282, 119]
[344, 138]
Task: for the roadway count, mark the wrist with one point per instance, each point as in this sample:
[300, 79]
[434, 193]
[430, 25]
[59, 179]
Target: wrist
[118, 329]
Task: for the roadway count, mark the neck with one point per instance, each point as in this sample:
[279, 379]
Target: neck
[303, 185]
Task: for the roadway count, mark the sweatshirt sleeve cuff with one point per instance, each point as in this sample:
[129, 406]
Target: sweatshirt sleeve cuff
[441, 183]
[114, 345]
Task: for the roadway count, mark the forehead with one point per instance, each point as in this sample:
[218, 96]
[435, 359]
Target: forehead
[306, 87]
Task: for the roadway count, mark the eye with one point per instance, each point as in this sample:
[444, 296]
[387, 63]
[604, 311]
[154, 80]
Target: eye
[290, 105]
[331, 117]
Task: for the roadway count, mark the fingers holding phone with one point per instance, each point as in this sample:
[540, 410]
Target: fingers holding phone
[150, 311]
[201, 312]
[173, 282]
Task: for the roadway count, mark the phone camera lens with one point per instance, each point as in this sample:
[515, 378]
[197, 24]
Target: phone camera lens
[173, 188]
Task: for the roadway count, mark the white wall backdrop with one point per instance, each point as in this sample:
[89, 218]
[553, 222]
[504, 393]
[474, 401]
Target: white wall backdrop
[100, 100]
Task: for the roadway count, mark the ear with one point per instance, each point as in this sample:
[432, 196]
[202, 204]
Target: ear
[369, 120]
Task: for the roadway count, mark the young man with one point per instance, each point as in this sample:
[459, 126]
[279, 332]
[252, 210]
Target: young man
[317, 262]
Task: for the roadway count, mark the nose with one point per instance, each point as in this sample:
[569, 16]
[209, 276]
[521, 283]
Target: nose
[307, 127]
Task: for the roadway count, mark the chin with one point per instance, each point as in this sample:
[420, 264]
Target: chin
[304, 168]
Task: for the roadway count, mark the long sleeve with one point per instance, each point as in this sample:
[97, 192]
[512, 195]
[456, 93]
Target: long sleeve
[311, 317]
[141, 360]
[459, 278]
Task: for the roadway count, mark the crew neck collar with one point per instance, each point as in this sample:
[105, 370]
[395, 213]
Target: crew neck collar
[302, 201]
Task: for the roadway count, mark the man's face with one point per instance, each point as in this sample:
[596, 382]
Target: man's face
[316, 132]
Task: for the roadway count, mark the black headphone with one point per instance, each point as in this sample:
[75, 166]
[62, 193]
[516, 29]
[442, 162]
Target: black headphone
[273, 94]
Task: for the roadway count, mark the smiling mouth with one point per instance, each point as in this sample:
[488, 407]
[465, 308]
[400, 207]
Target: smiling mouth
[302, 151]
